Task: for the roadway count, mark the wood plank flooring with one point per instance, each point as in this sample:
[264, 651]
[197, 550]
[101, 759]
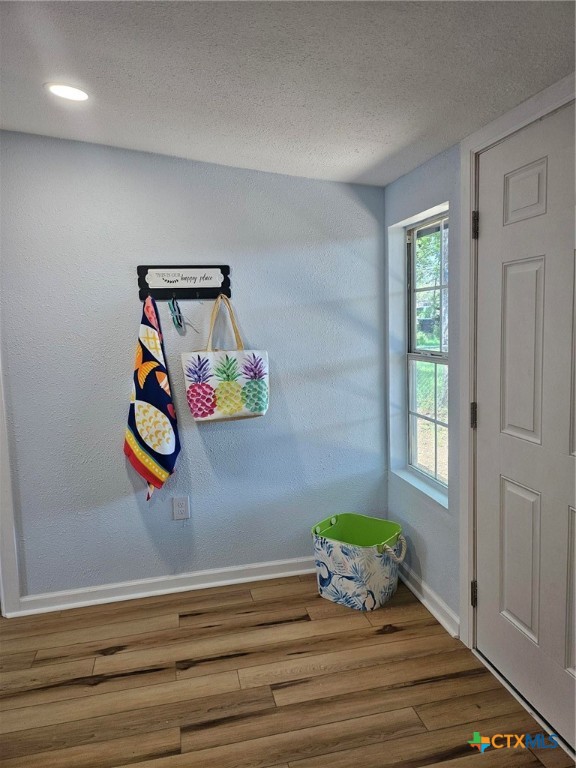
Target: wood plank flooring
[262, 675]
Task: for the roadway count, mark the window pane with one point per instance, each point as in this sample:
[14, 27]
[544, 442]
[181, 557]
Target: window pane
[422, 388]
[442, 448]
[445, 253]
[422, 434]
[442, 393]
[428, 257]
[445, 320]
[428, 324]
[427, 306]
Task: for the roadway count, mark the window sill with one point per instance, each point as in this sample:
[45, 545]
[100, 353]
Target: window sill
[430, 489]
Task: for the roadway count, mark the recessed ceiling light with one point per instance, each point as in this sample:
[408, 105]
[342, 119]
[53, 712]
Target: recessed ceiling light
[66, 91]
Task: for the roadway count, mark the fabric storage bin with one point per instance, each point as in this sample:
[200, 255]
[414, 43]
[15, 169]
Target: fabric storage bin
[357, 559]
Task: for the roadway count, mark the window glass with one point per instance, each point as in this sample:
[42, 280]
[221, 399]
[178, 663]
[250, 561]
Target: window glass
[428, 349]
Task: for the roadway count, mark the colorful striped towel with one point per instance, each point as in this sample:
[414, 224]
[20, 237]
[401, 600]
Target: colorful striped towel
[151, 442]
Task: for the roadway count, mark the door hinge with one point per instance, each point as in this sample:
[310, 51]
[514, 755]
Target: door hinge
[473, 415]
[474, 593]
[475, 224]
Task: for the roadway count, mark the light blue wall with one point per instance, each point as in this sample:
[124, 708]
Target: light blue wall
[306, 260]
[431, 528]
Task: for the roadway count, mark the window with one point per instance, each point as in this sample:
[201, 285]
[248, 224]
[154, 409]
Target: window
[427, 249]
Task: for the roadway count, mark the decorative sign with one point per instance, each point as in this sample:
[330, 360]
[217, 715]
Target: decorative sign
[184, 282]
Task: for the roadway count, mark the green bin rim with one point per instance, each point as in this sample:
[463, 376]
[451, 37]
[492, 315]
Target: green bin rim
[381, 532]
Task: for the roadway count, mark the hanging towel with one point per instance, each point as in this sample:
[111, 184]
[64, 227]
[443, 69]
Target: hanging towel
[151, 442]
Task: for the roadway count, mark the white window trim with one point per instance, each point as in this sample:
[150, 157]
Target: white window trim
[397, 356]
[424, 484]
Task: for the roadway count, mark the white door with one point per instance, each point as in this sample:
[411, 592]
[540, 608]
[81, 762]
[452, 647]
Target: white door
[526, 473]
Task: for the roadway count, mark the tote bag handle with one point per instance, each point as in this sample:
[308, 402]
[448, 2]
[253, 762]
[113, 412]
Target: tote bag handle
[216, 308]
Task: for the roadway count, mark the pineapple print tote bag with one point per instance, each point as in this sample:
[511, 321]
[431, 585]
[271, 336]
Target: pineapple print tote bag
[226, 384]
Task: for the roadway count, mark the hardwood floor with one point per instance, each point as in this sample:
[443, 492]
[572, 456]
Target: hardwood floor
[250, 676]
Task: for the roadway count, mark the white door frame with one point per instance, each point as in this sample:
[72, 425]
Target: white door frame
[538, 106]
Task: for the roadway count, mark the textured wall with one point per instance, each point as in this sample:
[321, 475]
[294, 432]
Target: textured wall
[306, 260]
[432, 529]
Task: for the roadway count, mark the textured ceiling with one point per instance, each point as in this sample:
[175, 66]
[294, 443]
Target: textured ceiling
[350, 91]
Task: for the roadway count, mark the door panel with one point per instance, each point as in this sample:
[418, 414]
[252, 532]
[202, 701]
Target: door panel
[571, 589]
[525, 191]
[522, 327]
[526, 473]
[520, 556]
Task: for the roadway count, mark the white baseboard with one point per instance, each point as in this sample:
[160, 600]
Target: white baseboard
[162, 585]
[431, 600]
[217, 577]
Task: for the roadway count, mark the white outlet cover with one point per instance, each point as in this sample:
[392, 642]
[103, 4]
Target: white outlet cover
[180, 508]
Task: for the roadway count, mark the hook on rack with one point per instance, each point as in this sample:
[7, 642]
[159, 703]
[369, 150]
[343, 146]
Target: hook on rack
[176, 313]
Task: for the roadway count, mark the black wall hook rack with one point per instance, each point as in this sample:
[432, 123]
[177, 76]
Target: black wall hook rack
[194, 281]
